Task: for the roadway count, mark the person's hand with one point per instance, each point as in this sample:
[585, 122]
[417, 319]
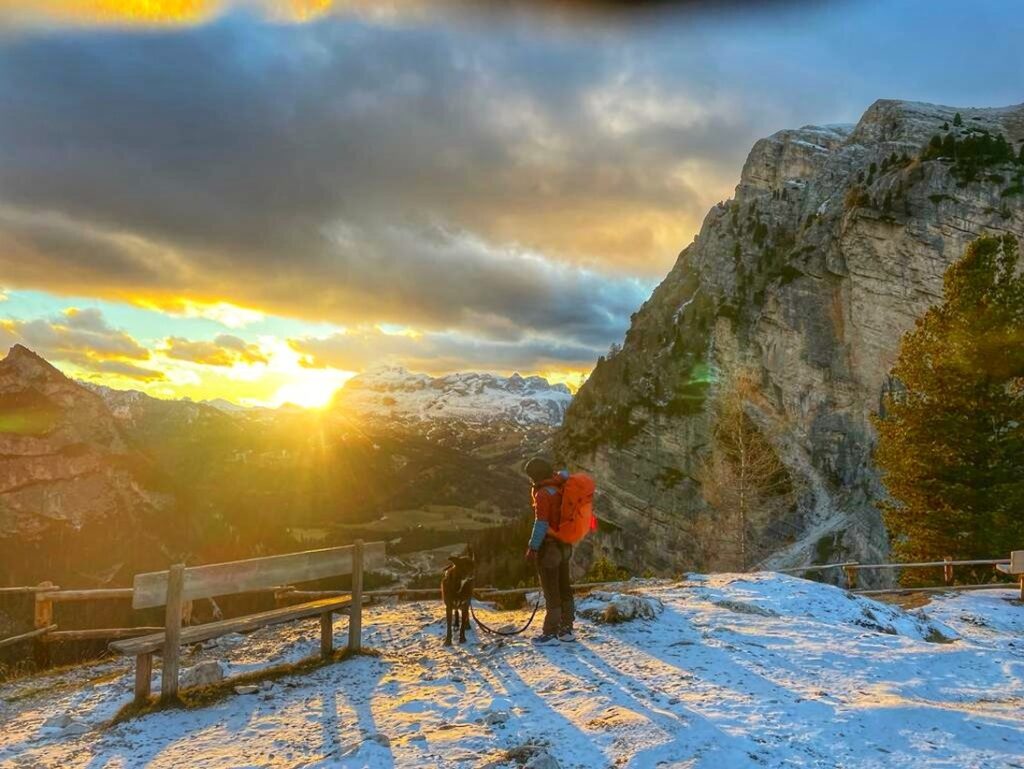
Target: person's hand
[531, 554]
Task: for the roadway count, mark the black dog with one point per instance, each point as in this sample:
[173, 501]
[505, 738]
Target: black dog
[457, 592]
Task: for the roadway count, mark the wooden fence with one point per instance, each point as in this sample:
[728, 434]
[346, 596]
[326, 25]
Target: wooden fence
[852, 568]
[45, 631]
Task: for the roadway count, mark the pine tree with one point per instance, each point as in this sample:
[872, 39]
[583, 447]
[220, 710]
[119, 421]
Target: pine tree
[957, 120]
[951, 435]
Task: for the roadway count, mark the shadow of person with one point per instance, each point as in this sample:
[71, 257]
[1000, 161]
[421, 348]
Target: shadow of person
[690, 735]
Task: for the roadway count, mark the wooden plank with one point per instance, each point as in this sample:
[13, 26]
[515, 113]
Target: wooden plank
[254, 574]
[197, 633]
[106, 594]
[1017, 562]
[93, 634]
[143, 673]
[172, 634]
[326, 635]
[30, 589]
[39, 631]
[355, 614]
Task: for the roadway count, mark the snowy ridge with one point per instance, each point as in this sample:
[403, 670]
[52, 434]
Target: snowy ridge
[467, 396]
[734, 671]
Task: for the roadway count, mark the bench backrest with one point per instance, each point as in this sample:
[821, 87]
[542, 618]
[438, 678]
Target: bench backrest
[1017, 562]
[215, 579]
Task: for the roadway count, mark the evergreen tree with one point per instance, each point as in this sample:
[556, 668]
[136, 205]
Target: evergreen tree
[951, 434]
[957, 120]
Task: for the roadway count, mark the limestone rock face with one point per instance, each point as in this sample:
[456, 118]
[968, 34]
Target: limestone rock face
[837, 239]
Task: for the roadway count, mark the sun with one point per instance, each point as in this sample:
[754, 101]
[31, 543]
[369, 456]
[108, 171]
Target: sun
[311, 389]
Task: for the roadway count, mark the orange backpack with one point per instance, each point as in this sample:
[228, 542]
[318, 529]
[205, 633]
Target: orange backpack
[577, 514]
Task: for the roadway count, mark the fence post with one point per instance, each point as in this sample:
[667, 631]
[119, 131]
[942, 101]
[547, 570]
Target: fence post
[947, 570]
[172, 637]
[355, 616]
[43, 617]
[851, 575]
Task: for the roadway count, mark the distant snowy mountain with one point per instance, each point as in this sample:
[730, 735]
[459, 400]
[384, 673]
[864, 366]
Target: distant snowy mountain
[466, 396]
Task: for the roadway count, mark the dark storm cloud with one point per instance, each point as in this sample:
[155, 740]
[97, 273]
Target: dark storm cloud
[343, 171]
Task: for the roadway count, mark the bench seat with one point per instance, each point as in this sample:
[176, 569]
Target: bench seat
[148, 644]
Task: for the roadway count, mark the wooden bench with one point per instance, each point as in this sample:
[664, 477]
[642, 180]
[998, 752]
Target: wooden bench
[172, 588]
[1015, 568]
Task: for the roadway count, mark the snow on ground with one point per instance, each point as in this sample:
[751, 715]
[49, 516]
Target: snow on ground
[734, 671]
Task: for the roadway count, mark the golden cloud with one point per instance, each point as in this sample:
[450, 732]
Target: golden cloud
[223, 350]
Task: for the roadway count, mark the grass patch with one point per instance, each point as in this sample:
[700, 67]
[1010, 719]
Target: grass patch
[30, 674]
[204, 696]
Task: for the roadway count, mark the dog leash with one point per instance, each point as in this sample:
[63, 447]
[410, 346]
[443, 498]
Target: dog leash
[488, 629]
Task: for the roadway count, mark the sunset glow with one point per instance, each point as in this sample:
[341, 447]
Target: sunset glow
[257, 199]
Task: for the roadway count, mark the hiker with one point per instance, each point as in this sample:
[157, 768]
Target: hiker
[562, 506]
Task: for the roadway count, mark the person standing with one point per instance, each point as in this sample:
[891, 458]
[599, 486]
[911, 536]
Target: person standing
[552, 555]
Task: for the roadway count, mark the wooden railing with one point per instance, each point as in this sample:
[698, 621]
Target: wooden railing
[852, 568]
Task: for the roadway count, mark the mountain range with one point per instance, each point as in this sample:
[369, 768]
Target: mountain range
[97, 484]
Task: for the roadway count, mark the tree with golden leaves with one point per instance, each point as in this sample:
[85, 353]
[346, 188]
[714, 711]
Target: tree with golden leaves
[744, 483]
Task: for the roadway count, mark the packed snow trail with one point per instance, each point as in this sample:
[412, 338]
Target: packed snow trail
[735, 671]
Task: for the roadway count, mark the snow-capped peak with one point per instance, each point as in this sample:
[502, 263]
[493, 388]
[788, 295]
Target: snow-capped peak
[468, 396]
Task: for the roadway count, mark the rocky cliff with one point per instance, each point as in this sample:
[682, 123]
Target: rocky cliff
[835, 242]
[66, 475]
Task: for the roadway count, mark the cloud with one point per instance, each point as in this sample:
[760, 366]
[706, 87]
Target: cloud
[360, 348]
[497, 184]
[223, 350]
[84, 338]
[352, 173]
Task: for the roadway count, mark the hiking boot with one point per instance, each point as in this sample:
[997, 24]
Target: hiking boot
[545, 638]
[566, 636]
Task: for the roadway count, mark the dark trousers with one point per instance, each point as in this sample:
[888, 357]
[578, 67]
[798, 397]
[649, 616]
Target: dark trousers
[553, 569]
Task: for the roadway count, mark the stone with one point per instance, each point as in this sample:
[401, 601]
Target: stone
[59, 721]
[246, 689]
[805, 283]
[612, 608]
[495, 718]
[230, 640]
[203, 674]
[542, 760]
[76, 727]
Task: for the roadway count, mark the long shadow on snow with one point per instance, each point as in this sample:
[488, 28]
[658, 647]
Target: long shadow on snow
[692, 735]
[543, 718]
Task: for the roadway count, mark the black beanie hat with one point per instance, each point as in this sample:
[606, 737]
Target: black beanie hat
[538, 468]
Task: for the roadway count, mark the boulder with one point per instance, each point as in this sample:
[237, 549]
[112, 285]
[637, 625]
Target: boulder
[203, 674]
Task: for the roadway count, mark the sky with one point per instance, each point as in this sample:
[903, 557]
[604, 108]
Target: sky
[255, 200]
